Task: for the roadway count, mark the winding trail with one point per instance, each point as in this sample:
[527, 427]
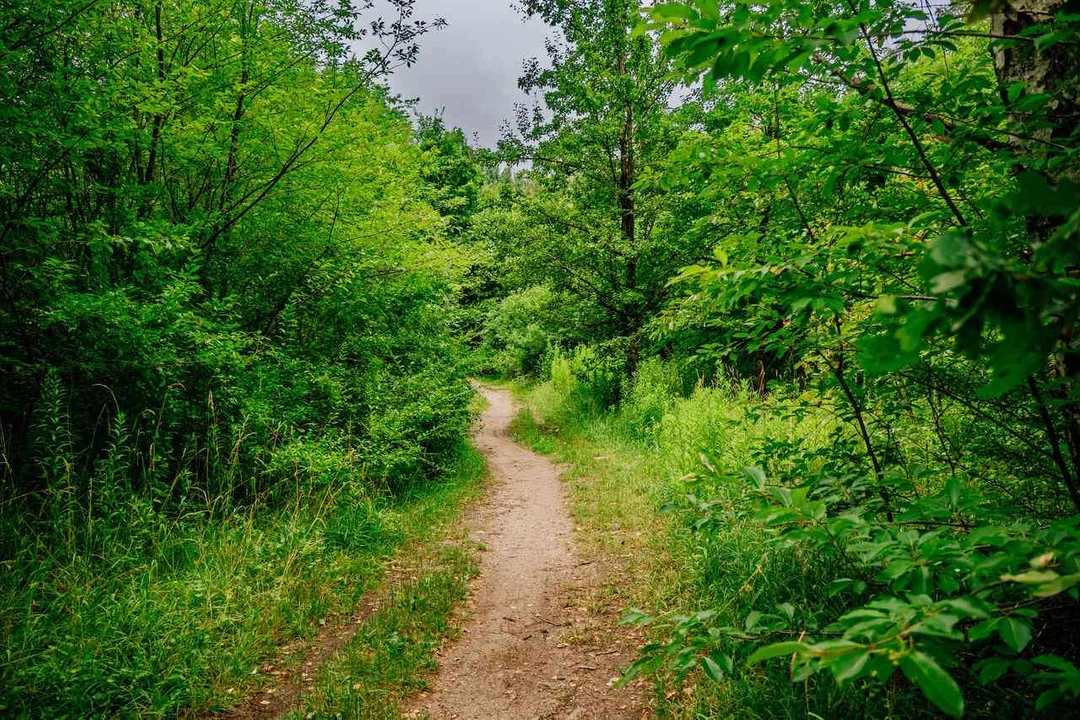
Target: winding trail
[537, 642]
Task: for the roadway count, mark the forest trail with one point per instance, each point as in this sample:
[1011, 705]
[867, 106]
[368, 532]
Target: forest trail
[534, 646]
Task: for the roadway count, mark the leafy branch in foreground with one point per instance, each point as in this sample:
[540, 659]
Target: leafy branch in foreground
[915, 219]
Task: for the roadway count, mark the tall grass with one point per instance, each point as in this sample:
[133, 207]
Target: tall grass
[110, 607]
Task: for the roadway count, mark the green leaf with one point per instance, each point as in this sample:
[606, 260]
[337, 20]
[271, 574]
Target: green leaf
[1056, 662]
[756, 476]
[849, 666]
[776, 650]
[1031, 577]
[969, 607]
[936, 684]
[668, 12]
[983, 630]
[1015, 632]
[946, 281]
[637, 617]
[993, 669]
[1058, 585]
[712, 669]
[886, 305]
[879, 354]
[1048, 698]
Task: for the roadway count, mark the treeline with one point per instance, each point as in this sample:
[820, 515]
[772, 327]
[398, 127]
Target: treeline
[865, 214]
[226, 267]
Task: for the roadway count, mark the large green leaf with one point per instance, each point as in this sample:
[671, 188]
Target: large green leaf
[776, 650]
[936, 684]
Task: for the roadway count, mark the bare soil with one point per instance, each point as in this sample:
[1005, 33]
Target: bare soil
[539, 640]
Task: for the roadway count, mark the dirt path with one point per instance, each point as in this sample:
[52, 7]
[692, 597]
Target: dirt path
[538, 643]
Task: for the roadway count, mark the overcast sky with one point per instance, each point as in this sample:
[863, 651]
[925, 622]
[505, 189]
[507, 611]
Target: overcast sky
[470, 69]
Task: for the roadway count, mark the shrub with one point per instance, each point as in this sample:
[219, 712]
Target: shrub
[653, 391]
[519, 329]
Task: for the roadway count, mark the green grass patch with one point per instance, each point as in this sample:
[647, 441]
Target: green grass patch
[178, 621]
[526, 430]
[394, 652]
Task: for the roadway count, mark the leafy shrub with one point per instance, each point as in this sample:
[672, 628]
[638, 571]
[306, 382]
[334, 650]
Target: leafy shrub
[937, 328]
[599, 370]
[520, 328]
[310, 466]
[652, 392]
[552, 398]
[414, 424]
[945, 585]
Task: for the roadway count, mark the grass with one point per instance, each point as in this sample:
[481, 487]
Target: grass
[624, 467]
[183, 626]
[394, 652]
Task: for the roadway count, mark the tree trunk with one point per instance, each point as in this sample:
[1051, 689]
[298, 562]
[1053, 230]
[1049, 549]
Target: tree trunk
[1055, 70]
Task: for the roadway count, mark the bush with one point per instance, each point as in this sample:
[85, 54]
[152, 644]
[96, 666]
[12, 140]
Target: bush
[519, 329]
[414, 425]
[652, 392]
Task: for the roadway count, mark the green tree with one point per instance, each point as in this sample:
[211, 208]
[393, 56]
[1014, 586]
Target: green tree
[901, 182]
[604, 130]
[452, 170]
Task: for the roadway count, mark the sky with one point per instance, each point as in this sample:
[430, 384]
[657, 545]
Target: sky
[469, 70]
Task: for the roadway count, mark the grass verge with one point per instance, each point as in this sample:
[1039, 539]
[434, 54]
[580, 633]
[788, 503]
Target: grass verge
[185, 626]
[393, 654]
[623, 468]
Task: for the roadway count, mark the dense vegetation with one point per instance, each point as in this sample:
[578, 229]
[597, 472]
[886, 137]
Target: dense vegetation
[807, 271]
[226, 262]
[840, 265]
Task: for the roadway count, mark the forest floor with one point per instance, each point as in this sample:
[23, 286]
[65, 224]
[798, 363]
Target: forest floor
[539, 640]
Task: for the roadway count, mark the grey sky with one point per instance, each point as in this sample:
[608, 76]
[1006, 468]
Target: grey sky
[470, 69]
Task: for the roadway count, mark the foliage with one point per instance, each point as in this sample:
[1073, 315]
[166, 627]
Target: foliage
[519, 329]
[868, 210]
[225, 261]
[831, 279]
[452, 171]
[192, 628]
[596, 231]
[927, 230]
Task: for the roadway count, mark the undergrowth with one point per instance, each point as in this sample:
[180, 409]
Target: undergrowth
[700, 560]
[180, 619]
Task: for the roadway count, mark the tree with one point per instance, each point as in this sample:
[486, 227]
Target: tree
[604, 130]
[168, 219]
[915, 252]
[452, 171]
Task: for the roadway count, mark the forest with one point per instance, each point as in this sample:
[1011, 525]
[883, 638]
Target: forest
[790, 291]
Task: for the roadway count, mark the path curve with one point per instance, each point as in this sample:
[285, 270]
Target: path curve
[534, 646]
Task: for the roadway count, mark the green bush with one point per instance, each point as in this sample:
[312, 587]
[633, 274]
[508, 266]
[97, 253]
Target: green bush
[519, 329]
[414, 424]
[655, 388]
[797, 555]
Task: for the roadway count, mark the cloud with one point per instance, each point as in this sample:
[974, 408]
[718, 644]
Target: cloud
[469, 70]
